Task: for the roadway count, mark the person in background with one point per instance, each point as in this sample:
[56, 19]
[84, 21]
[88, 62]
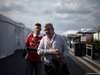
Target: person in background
[51, 44]
[33, 60]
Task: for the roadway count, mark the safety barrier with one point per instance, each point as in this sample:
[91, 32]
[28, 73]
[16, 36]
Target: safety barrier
[89, 51]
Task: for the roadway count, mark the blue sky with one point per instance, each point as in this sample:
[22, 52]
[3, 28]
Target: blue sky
[65, 15]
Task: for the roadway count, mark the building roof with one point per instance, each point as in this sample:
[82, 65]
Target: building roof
[90, 31]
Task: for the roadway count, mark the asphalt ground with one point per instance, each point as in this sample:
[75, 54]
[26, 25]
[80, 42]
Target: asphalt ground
[15, 65]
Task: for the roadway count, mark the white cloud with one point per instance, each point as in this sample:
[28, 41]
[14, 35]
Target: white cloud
[64, 14]
[70, 32]
[57, 4]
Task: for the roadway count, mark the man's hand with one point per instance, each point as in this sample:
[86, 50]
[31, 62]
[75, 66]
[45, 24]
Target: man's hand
[25, 47]
[55, 51]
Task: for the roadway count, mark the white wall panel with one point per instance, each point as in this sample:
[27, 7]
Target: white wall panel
[12, 36]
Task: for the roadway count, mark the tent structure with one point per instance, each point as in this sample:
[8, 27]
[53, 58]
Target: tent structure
[97, 34]
[91, 33]
[12, 36]
[70, 32]
[88, 31]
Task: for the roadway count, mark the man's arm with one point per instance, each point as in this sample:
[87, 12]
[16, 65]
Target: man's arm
[65, 48]
[42, 51]
[26, 46]
[27, 42]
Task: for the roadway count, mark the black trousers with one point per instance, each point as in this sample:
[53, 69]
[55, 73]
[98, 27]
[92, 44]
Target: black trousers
[50, 70]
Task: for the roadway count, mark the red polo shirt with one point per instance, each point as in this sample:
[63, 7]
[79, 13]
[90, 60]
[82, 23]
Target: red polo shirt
[31, 43]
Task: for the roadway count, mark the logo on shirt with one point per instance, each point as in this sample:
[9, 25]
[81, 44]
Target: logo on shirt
[32, 39]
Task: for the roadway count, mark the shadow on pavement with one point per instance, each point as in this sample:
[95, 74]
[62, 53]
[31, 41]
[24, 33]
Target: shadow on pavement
[15, 65]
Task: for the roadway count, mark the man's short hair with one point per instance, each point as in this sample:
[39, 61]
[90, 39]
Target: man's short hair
[38, 24]
[49, 24]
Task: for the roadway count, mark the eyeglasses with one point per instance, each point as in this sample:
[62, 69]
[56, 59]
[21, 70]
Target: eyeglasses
[48, 29]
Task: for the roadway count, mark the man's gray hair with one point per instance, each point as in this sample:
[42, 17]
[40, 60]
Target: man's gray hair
[49, 24]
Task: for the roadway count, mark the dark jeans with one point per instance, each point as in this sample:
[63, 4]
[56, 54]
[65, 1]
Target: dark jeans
[36, 65]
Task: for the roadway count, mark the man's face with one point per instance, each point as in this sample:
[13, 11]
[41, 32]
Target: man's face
[48, 30]
[37, 29]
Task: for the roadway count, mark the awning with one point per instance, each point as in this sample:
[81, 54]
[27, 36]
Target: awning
[92, 31]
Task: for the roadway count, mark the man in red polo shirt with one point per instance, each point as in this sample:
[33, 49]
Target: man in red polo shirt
[33, 60]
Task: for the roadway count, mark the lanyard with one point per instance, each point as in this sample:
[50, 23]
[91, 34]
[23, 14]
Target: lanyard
[51, 42]
[36, 41]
